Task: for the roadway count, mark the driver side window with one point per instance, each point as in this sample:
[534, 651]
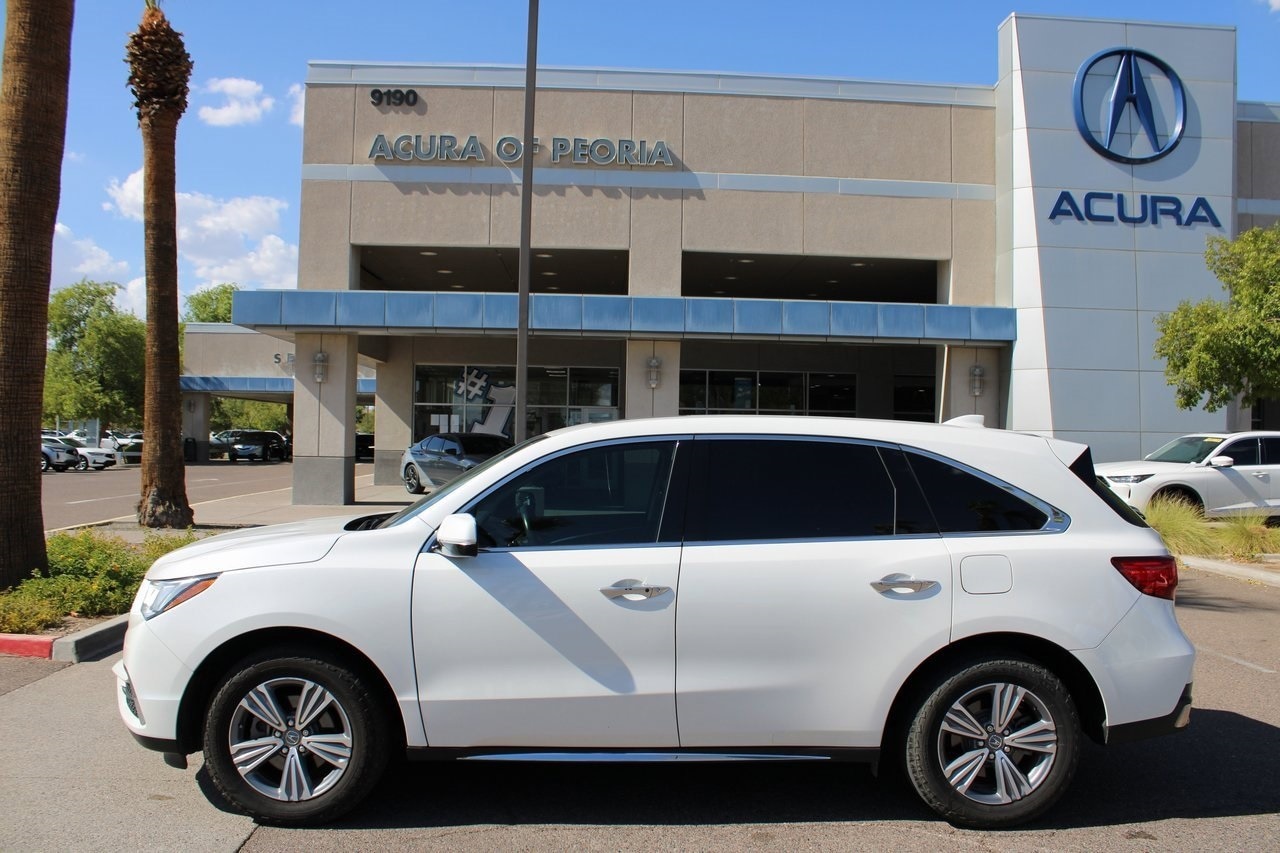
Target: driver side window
[606, 495]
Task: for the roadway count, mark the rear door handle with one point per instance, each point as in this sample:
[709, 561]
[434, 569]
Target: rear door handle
[634, 593]
[902, 583]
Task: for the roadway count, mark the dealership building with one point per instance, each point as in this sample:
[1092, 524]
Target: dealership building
[707, 242]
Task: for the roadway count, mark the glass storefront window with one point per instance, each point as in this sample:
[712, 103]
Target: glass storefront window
[767, 392]
[731, 390]
[782, 393]
[470, 398]
[913, 398]
[833, 394]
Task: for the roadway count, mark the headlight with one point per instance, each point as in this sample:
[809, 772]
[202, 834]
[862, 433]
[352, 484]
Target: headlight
[159, 596]
[1129, 478]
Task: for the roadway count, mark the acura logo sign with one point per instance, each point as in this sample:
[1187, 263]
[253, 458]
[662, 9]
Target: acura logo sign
[1114, 85]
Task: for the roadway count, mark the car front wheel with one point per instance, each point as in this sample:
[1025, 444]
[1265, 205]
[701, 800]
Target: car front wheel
[412, 483]
[83, 464]
[294, 739]
[995, 744]
[44, 463]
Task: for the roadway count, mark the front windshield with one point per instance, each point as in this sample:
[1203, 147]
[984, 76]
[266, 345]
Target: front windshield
[1189, 448]
[74, 442]
[426, 501]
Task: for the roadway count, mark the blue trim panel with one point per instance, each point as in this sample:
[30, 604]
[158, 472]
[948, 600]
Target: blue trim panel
[259, 384]
[373, 311]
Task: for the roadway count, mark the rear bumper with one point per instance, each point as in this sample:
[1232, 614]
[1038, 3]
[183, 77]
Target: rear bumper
[1176, 720]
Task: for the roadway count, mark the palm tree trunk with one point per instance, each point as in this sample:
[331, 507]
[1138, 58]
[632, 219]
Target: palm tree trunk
[164, 488]
[33, 125]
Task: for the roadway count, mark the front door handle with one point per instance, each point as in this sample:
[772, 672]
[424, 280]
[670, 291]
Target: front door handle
[902, 583]
[634, 593]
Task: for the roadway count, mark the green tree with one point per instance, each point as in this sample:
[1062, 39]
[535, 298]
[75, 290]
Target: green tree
[96, 357]
[33, 125]
[211, 304]
[159, 71]
[1216, 351]
[229, 413]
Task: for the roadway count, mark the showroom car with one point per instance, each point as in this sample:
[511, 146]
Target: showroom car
[962, 603]
[56, 456]
[97, 458]
[1221, 474]
[438, 459]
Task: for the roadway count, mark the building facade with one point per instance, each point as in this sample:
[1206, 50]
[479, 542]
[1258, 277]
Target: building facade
[734, 243]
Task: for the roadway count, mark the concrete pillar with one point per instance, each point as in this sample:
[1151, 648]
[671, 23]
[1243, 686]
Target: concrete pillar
[957, 381]
[324, 410]
[195, 423]
[393, 410]
[643, 401]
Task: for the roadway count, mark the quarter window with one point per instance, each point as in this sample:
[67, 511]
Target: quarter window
[965, 503]
[607, 495]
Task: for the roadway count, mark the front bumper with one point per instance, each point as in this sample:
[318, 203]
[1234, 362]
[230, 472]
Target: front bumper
[1176, 720]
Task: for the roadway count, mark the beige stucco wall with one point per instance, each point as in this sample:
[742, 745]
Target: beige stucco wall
[706, 133]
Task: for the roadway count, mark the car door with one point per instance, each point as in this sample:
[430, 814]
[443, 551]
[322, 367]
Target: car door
[427, 450]
[810, 587]
[447, 464]
[1246, 485]
[561, 631]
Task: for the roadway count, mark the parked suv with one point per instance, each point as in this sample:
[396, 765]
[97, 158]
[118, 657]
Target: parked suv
[965, 603]
[56, 456]
[1221, 474]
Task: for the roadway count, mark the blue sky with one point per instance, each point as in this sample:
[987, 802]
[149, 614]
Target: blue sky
[239, 144]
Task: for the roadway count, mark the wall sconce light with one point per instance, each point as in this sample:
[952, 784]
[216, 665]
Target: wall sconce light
[654, 363]
[191, 407]
[976, 374]
[321, 361]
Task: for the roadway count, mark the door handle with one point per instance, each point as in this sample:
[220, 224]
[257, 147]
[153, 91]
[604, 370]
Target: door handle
[634, 593]
[896, 583]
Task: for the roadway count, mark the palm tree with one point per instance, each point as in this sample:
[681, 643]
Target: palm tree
[33, 127]
[159, 68]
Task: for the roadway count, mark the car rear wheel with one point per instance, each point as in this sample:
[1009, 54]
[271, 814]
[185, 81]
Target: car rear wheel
[232, 456]
[994, 744]
[292, 738]
[412, 483]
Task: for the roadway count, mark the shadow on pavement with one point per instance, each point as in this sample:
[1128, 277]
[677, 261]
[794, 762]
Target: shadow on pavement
[1216, 768]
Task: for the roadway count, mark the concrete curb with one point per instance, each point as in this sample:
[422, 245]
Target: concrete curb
[1233, 570]
[105, 638]
[26, 645]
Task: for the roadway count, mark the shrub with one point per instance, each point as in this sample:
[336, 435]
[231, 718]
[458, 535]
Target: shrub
[90, 574]
[1182, 526]
[1248, 536]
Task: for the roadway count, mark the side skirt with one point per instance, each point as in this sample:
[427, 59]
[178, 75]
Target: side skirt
[613, 756]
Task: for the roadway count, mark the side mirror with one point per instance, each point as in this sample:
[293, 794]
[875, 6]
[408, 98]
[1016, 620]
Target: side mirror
[457, 536]
[1222, 462]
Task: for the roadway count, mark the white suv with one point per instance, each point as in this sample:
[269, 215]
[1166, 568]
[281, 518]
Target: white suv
[1220, 473]
[966, 603]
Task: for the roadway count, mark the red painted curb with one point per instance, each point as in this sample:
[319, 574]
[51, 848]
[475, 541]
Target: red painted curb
[26, 645]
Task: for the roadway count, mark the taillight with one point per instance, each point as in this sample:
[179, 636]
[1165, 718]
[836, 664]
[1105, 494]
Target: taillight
[1157, 576]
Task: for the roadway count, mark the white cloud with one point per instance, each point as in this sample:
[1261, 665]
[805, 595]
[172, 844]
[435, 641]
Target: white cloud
[245, 103]
[73, 156]
[231, 239]
[297, 100]
[1274, 4]
[132, 297]
[74, 259]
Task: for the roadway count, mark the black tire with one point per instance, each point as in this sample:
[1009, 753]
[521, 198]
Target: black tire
[232, 457]
[44, 463]
[1180, 494]
[412, 484]
[83, 464]
[1018, 768]
[265, 790]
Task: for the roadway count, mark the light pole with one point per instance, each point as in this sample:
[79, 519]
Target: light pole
[526, 229]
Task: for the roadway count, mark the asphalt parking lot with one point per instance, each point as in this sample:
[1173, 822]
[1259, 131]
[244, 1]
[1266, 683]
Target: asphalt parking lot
[73, 779]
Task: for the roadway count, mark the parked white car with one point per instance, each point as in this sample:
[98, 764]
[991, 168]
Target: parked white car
[966, 603]
[91, 457]
[1220, 473]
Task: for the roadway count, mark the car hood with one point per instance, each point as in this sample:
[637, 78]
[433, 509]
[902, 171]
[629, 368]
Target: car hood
[277, 544]
[1112, 469]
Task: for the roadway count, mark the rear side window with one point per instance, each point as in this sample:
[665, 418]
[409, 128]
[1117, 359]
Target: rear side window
[754, 489]
[966, 503]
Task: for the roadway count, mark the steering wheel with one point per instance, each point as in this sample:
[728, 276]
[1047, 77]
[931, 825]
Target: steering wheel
[526, 521]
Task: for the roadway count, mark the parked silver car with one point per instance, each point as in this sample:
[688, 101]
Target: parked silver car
[437, 459]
